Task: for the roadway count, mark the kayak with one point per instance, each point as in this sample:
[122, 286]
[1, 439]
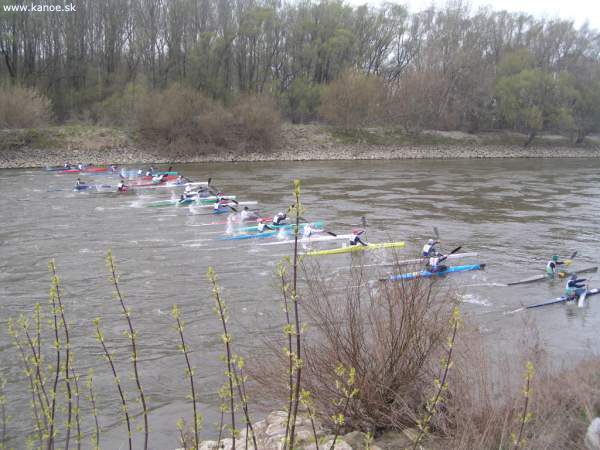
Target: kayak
[171, 184]
[87, 170]
[188, 201]
[265, 234]
[286, 226]
[562, 299]
[355, 249]
[194, 205]
[312, 239]
[427, 274]
[102, 188]
[226, 222]
[550, 277]
[423, 260]
[134, 173]
[140, 180]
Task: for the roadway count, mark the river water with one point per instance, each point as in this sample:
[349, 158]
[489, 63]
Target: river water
[516, 213]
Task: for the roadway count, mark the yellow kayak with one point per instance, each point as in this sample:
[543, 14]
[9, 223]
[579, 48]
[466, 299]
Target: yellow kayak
[355, 248]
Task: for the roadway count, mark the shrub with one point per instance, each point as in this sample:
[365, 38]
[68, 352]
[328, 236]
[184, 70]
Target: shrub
[22, 107]
[353, 100]
[391, 337]
[257, 120]
[172, 113]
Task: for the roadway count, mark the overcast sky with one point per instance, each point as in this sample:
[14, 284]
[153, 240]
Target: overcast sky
[577, 10]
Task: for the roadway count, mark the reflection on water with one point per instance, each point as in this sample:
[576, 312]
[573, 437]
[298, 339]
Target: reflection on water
[514, 213]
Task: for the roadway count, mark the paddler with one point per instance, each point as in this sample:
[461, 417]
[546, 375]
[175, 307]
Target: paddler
[280, 218]
[262, 226]
[435, 263]
[122, 187]
[551, 268]
[574, 288]
[308, 231]
[429, 249]
[247, 215]
[355, 238]
[220, 203]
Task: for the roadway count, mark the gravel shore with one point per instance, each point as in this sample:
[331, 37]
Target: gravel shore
[22, 158]
[96, 145]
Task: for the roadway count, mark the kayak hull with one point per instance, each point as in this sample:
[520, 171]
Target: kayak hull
[427, 274]
[549, 277]
[282, 229]
[562, 299]
[355, 249]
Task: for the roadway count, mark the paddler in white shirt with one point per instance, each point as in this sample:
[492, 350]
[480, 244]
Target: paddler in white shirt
[355, 239]
[308, 231]
[220, 203]
[429, 248]
[121, 187]
[435, 263]
[262, 226]
[247, 215]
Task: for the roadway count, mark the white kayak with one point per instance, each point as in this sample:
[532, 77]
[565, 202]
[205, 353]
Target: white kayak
[311, 239]
[421, 260]
[172, 184]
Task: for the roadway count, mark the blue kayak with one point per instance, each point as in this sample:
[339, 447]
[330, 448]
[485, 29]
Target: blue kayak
[563, 299]
[264, 234]
[427, 274]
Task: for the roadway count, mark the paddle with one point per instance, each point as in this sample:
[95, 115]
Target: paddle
[451, 253]
[437, 237]
[568, 261]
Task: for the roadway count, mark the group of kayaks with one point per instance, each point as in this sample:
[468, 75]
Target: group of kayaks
[201, 198]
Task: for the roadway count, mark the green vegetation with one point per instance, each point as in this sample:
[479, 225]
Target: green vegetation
[189, 73]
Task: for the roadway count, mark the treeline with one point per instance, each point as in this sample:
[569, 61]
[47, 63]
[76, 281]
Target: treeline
[446, 68]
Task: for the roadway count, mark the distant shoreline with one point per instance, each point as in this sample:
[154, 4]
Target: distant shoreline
[101, 146]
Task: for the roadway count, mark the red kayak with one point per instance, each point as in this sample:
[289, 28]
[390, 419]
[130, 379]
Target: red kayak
[87, 170]
[143, 181]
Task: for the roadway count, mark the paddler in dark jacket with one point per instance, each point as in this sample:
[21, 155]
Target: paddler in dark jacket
[279, 218]
[355, 239]
[574, 287]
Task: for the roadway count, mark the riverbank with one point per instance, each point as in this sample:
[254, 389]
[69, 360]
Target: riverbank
[100, 145]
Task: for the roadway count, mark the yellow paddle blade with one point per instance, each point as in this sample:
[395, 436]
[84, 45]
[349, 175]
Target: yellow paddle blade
[562, 274]
[568, 262]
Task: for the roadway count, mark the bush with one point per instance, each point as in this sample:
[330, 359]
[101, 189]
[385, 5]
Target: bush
[257, 121]
[354, 100]
[178, 113]
[392, 338]
[22, 107]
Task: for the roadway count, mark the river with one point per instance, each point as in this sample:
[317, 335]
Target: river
[516, 213]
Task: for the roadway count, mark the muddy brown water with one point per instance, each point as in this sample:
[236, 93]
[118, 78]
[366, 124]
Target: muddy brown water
[516, 213]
